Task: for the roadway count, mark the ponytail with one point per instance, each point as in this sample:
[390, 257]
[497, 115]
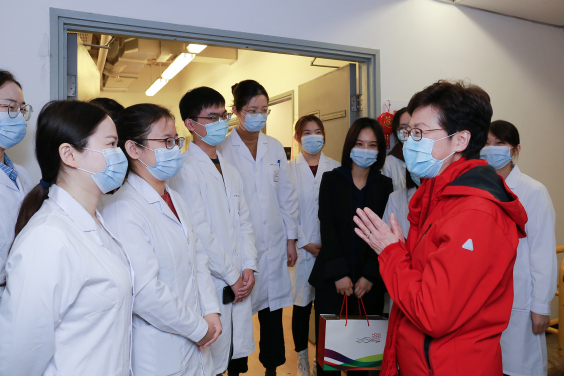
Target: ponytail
[59, 122]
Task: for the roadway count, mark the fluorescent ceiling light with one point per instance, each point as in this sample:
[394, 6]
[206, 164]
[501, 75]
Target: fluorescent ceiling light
[196, 48]
[156, 86]
[177, 65]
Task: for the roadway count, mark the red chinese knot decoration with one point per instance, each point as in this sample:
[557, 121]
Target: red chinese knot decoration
[385, 120]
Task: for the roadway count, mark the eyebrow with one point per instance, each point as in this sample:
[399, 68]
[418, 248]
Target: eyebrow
[13, 100]
[114, 137]
[217, 113]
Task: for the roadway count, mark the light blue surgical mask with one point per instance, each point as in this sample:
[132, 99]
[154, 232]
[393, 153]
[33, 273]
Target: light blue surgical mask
[363, 158]
[313, 143]
[416, 179]
[168, 162]
[419, 158]
[115, 171]
[497, 156]
[216, 132]
[255, 122]
[12, 130]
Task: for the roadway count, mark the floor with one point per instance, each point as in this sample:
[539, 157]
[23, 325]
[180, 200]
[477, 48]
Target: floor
[555, 362]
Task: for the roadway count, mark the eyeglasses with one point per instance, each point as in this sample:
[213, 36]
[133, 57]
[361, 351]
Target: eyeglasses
[417, 134]
[170, 142]
[255, 112]
[14, 109]
[214, 118]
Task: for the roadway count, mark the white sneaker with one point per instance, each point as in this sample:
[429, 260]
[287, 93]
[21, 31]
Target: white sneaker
[303, 363]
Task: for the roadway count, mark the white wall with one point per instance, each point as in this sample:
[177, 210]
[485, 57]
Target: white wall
[519, 63]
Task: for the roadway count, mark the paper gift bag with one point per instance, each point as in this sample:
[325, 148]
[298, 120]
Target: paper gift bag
[351, 343]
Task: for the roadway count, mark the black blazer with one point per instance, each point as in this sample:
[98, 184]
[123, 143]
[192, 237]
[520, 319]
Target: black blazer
[336, 211]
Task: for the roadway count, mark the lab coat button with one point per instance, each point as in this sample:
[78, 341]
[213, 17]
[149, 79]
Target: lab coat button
[256, 169]
[267, 249]
[264, 223]
[316, 199]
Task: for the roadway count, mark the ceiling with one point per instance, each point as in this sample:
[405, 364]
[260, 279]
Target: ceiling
[550, 12]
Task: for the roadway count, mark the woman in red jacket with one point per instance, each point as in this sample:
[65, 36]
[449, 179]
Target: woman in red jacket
[451, 280]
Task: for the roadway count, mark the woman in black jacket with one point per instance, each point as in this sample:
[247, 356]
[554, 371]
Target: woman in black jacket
[345, 264]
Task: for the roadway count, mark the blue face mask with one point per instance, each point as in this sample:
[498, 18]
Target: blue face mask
[313, 143]
[419, 158]
[255, 122]
[497, 156]
[416, 179]
[169, 162]
[363, 158]
[12, 130]
[216, 132]
[114, 173]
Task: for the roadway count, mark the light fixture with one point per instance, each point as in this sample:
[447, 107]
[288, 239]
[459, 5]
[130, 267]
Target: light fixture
[156, 86]
[196, 48]
[177, 65]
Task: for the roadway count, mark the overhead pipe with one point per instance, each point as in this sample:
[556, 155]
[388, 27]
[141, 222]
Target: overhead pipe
[102, 55]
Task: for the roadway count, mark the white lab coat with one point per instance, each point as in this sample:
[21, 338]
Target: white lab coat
[395, 169]
[67, 306]
[534, 279]
[273, 205]
[398, 203]
[220, 214]
[11, 198]
[174, 288]
[307, 187]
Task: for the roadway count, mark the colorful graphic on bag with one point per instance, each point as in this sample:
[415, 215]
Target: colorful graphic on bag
[375, 338]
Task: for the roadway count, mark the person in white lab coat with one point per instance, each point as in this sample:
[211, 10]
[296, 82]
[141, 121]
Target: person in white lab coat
[176, 310]
[67, 306]
[220, 213]
[523, 343]
[394, 167]
[262, 163]
[305, 172]
[398, 202]
[15, 182]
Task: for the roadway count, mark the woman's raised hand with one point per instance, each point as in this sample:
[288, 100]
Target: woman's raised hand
[375, 232]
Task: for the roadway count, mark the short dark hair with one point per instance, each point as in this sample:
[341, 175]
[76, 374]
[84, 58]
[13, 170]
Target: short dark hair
[302, 122]
[246, 90]
[112, 107]
[352, 136]
[396, 122]
[461, 107]
[135, 122]
[6, 77]
[194, 101]
[505, 132]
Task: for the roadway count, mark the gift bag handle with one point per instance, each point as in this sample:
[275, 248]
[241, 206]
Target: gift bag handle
[346, 306]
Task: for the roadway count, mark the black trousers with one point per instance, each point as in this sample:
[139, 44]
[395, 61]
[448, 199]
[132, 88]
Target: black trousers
[328, 301]
[272, 353]
[300, 326]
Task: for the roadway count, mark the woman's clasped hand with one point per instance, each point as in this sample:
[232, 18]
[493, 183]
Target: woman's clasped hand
[375, 232]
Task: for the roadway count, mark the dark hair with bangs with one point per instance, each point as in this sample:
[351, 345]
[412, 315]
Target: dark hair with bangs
[6, 77]
[135, 123]
[246, 90]
[461, 107]
[352, 137]
[302, 122]
[198, 99]
[505, 132]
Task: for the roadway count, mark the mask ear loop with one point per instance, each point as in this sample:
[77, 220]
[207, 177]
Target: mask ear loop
[146, 165]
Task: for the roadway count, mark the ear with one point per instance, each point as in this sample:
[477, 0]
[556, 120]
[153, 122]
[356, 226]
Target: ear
[239, 115]
[298, 139]
[516, 150]
[462, 141]
[68, 155]
[132, 149]
[189, 125]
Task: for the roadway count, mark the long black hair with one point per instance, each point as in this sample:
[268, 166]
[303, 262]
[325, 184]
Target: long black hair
[352, 136]
[59, 122]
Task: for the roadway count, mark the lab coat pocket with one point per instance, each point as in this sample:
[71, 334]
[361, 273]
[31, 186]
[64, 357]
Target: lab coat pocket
[522, 290]
[274, 174]
[168, 348]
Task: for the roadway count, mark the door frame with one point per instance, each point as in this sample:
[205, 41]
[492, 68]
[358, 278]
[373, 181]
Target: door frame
[62, 21]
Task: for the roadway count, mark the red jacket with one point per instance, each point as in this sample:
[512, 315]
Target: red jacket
[452, 282]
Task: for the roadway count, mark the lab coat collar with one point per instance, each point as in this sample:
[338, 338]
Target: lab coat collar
[5, 180]
[72, 208]
[201, 156]
[244, 150]
[152, 196]
[513, 178]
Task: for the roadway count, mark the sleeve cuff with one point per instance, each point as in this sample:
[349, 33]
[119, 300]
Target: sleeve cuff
[231, 277]
[541, 308]
[292, 234]
[200, 331]
[303, 242]
[212, 310]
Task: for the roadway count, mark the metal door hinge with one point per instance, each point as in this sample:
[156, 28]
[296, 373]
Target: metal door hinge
[71, 86]
[356, 103]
